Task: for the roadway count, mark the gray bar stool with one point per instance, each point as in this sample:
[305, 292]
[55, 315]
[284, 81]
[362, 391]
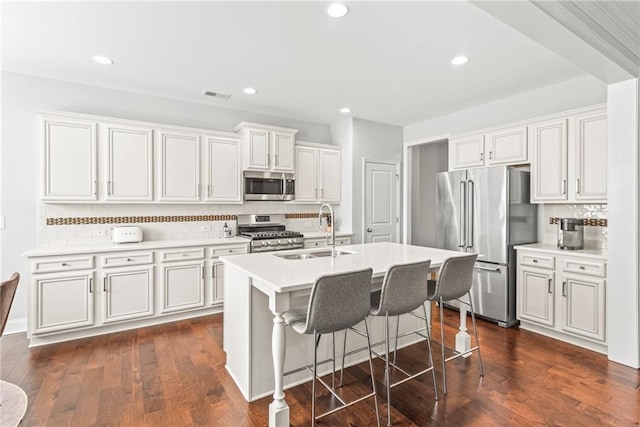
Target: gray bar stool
[337, 302]
[454, 281]
[404, 289]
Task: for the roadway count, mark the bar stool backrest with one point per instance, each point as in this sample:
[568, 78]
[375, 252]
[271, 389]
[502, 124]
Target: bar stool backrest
[455, 278]
[7, 292]
[404, 288]
[339, 301]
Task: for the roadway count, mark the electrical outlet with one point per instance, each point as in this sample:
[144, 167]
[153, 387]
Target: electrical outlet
[205, 228]
[99, 233]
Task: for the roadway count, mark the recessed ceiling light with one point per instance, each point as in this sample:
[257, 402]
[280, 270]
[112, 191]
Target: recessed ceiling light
[337, 10]
[345, 110]
[249, 91]
[459, 60]
[104, 60]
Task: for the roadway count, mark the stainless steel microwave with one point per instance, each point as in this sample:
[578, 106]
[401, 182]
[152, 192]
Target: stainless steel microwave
[269, 186]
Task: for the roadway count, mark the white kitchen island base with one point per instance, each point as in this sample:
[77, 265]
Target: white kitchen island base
[260, 287]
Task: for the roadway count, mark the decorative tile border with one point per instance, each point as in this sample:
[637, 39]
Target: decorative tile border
[138, 219]
[304, 215]
[589, 222]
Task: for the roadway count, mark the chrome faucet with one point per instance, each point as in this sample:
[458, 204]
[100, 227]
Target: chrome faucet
[333, 228]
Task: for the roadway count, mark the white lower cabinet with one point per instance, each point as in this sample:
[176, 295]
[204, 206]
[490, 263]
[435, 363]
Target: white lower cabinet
[62, 301]
[131, 289]
[128, 293]
[182, 285]
[563, 294]
[321, 242]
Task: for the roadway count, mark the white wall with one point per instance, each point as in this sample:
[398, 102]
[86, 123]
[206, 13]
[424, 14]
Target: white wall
[576, 93]
[373, 141]
[19, 164]
[428, 159]
[623, 296]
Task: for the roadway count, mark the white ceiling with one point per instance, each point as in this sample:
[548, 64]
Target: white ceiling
[388, 62]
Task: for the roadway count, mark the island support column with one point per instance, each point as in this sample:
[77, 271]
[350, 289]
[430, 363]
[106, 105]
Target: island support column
[278, 409]
[463, 339]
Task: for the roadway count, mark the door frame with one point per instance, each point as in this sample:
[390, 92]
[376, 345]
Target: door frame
[407, 159]
[364, 194]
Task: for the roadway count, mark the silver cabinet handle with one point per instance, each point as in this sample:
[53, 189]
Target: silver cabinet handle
[91, 285]
[564, 186]
[322, 193]
[461, 225]
[549, 287]
[109, 188]
[203, 271]
[577, 185]
[564, 288]
[129, 260]
[209, 190]
[490, 155]
[482, 157]
[95, 187]
[535, 261]
[315, 193]
[275, 160]
[213, 271]
[582, 267]
[284, 184]
[64, 264]
[104, 283]
[494, 270]
[470, 213]
[369, 230]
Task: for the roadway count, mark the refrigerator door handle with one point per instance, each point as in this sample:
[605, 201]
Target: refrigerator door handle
[495, 269]
[463, 214]
[470, 211]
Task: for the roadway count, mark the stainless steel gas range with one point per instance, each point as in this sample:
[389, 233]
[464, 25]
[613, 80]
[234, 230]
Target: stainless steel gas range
[268, 233]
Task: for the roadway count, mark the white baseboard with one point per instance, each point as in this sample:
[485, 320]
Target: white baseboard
[15, 326]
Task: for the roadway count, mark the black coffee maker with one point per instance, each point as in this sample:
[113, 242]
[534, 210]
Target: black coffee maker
[570, 233]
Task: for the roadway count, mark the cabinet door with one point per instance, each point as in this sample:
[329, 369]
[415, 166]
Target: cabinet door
[63, 301]
[129, 163]
[179, 167]
[330, 176]
[466, 152]
[535, 288]
[306, 174]
[549, 162]
[256, 149]
[223, 170]
[591, 157]
[584, 306]
[217, 273]
[507, 146]
[283, 152]
[128, 293]
[182, 286]
[69, 160]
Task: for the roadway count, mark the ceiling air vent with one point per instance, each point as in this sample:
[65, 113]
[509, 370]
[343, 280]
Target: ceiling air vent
[216, 94]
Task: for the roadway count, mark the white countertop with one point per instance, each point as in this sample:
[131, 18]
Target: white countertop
[110, 247]
[318, 234]
[284, 275]
[549, 247]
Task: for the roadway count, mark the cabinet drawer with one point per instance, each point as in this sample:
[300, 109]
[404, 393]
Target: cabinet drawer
[583, 266]
[118, 260]
[47, 265]
[343, 241]
[181, 255]
[538, 260]
[229, 250]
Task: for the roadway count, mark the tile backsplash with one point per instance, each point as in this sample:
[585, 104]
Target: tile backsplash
[77, 225]
[595, 237]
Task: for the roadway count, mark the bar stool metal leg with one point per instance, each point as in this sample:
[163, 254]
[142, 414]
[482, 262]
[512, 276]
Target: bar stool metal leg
[444, 364]
[373, 380]
[475, 331]
[387, 376]
[433, 370]
[313, 382]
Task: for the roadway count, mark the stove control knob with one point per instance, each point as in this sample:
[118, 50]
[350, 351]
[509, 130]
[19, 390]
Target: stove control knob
[264, 243]
[290, 241]
[279, 242]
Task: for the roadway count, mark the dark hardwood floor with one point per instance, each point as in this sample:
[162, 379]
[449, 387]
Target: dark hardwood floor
[174, 375]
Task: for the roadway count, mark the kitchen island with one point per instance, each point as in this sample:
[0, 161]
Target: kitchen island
[260, 287]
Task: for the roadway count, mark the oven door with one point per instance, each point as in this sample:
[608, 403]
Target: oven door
[268, 186]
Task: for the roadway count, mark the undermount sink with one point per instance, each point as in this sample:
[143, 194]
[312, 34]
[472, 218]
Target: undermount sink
[309, 255]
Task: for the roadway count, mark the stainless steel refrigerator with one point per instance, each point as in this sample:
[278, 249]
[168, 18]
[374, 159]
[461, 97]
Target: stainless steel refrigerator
[487, 210]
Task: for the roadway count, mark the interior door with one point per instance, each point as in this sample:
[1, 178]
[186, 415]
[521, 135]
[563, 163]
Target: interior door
[380, 201]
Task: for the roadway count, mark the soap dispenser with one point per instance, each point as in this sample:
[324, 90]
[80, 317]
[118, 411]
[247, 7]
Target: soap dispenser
[226, 230]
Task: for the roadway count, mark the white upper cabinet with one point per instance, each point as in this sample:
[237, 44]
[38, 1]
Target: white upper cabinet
[268, 148]
[223, 169]
[179, 166]
[591, 156]
[501, 146]
[129, 166]
[549, 161]
[569, 159]
[318, 173]
[329, 176]
[69, 159]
